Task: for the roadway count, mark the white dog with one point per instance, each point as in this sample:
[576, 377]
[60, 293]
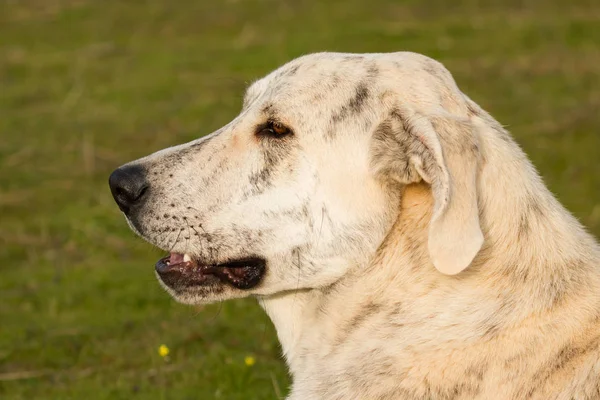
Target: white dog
[399, 239]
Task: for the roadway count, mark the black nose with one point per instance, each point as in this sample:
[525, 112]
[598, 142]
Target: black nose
[128, 186]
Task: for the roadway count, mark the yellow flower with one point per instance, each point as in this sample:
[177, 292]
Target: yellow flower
[249, 361]
[163, 350]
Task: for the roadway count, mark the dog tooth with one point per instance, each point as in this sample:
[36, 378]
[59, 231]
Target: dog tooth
[186, 258]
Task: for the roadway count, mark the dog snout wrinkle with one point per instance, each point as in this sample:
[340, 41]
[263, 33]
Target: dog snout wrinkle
[128, 186]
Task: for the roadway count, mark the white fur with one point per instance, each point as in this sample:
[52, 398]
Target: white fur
[392, 176]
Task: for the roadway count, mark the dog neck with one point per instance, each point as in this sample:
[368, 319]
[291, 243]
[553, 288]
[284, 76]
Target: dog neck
[528, 234]
[292, 314]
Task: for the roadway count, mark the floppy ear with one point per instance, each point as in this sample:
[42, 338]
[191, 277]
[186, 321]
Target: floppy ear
[440, 149]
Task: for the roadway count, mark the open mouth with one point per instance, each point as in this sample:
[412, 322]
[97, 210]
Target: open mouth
[180, 271]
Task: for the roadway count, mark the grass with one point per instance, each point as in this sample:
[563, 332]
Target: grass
[86, 86]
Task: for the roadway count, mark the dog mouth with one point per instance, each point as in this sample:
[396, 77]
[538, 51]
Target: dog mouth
[181, 271]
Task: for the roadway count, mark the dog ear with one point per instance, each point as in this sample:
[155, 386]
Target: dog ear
[440, 149]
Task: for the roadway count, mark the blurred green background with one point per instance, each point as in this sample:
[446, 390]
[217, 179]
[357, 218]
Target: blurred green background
[88, 85]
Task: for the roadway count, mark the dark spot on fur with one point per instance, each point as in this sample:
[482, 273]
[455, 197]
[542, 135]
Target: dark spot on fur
[353, 107]
[386, 94]
[260, 178]
[365, 312]
[268, 109]
[432, 68]
[361, 95]
[476, 372]
[494, 323]
[335, 80]
[352, 58]
[274, 152]
[502, 133]
[469, 387]
[535, 207]
[198, 144]
[491, 330]
[512, 362]
[291, 71]
[568, 354]
[471, 110]
[523, 227]
[372, 71]
[395, 315]
[531, 211]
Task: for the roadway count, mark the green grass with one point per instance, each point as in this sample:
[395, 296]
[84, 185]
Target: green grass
[87, 85]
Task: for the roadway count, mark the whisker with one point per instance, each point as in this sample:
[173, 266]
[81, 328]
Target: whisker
[176, 239]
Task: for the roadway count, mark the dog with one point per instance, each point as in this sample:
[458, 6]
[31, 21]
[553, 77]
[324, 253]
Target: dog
[399, 239]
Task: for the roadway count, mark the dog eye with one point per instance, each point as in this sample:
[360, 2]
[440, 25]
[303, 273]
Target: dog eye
[274, 129]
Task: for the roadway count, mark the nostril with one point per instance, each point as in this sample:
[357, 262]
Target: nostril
[141, 193]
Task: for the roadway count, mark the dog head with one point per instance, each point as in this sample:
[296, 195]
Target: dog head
[304, 184]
